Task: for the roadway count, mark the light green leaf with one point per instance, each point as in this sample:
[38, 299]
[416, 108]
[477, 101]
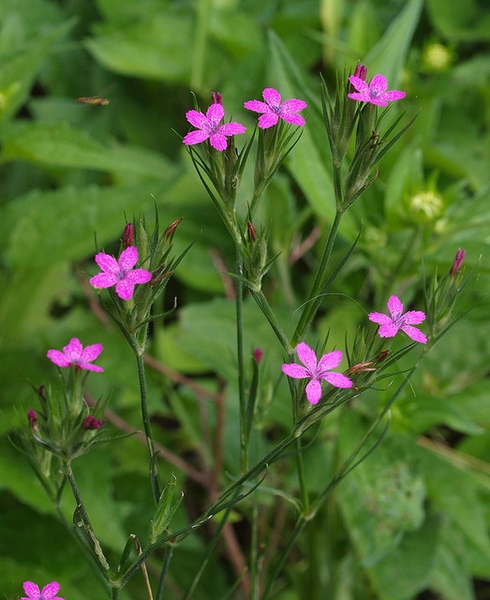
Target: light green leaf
[389, 55]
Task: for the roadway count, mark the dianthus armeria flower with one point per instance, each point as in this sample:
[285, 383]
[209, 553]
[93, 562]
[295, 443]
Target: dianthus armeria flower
[120, 272]
[390, 325]
[48, 592]
[78, 356]
[209, 127]
[272, 109]
[375, 92]
[316, 371]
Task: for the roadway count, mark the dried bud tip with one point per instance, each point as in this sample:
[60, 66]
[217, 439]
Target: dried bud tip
[383, 355]
[258, 353]
[252, 234]
[457, 262]
[172, 227]
[217, 98]
[128, 236]
[92, 422]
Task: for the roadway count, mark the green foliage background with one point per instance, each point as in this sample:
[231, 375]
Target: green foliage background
[414, 516]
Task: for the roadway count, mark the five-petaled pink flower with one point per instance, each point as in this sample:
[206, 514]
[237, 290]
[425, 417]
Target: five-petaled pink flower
[48, 592]
[78, 356]
[120, 272]
[391, 324]
[375, 92]
[272, 110]
[316, 371]
[208, 126]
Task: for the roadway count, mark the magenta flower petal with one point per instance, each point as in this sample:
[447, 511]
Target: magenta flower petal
[128, 258]
[337, 380]
[218, 142]
[106, 262]
[272, 110]
[49, 591]
[313, 391]
[196, 119]
[316, 371]
[295, 371]
[414, 333]
[120, 272]
[390, 325]
[267, 120]
[307, 356]
[58, 358]
[330, 361]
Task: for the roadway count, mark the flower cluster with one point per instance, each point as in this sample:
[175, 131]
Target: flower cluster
[209, 126]
[316, 370]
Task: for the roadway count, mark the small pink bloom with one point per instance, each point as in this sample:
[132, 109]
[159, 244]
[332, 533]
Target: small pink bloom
[390, 325]
[75, 354]
[316, 371]
[120, 272]
[208, 127]
[272, 110]
[375, 92]
[48, 593]
[91, 422]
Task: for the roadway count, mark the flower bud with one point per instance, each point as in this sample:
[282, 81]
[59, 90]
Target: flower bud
[457, 262]
[92, 422]
[128, 236]
[32, 418]
[217, 98]
[258, 353]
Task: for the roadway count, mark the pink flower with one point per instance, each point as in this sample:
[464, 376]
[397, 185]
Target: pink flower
[375, 92]
[208, 127]
[75, 354]
[398, 320]
[49, 591]
[120, 272]
[272, 109]
[316, 371]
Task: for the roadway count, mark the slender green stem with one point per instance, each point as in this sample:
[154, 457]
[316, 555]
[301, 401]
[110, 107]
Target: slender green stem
[94, 545]
[272, 578]
[271, 317]
[244, 434]
[311, 307]
[254, 588]
[154, 479]
[305, 500]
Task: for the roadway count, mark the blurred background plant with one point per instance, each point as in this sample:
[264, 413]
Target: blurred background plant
[412, 521]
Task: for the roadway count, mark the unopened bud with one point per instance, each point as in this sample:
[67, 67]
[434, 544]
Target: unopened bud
[92, 422]
[172, 227]
[128, 236]
[32, 417]
[457, 262]
[258, 353]
[217, 98]
[252, 234]
[361, 72]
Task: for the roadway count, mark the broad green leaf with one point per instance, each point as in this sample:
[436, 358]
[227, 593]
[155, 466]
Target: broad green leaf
[62, 145]
[20, 65]
[389, 55]
[309, 161]
[63, 223]
[153, 47]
